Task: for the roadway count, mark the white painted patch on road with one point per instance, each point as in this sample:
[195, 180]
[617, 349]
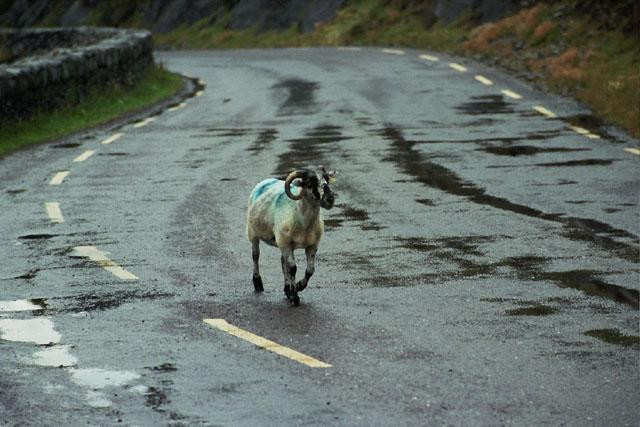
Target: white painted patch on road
[112, 138]
[458, 67]
[59, 177]
[511, 94]
[199, 93]
[349, 48]
[56, 356]
[545, 112]
[84, 156]
[38, 331]
[177, 107]
[635, 151]
[222, 325]
[393, 51]
[429, 58]
[54, 212]
[592, 136]
[143, 123]
[96, 378]
[101, 259]
[19, 305]
[482, 79]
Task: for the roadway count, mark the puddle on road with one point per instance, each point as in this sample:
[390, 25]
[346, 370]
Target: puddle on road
[38, 331]
[352, 214]
[572, 163]
[534, 310]
[57, 356]
[298, 97]
[526, 150]
[614, 336]
[309, 150]
[38, 236]
[165, 367]
[94, 301]
[486, 104]
[67, 145]
[23, 305]
[262, 141]
[411, 162]
[96, 378]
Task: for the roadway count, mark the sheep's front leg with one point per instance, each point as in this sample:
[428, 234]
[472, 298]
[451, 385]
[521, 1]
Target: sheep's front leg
[289, 271]
[311, 267]
[255, 254]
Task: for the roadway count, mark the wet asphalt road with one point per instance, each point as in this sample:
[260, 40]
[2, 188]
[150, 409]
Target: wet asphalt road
[480, 267]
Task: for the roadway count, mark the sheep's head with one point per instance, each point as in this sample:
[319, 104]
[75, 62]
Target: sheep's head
[313, 184]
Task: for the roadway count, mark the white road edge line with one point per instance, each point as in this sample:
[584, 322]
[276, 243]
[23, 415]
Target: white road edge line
[635, 151]
[429, 58]
[84, 156]
[482, 79]
[59, 177]
[177, 107]
[101, 259]
[112, 138]
[393, 51]
[458, 67]
[540, 109]
[222, 325]
[143, 123]
[54, 212]
[511, 94]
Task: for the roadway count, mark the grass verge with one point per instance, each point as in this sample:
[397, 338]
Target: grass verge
[99, 107]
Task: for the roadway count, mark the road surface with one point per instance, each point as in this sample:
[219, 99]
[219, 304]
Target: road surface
[480, 266]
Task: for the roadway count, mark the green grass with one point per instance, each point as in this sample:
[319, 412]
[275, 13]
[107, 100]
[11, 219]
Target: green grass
[101, 106]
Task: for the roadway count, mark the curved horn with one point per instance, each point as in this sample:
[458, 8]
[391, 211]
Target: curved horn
[287, 185]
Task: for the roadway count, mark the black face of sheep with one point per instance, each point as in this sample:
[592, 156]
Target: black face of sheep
[286, 214]
[315, 185]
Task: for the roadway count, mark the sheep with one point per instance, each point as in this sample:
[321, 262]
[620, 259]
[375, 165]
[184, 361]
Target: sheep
[281, 218]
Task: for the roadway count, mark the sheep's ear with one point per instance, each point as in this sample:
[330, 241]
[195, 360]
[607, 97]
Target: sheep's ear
[331, 177]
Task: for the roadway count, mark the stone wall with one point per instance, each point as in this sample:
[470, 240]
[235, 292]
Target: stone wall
[49, 68]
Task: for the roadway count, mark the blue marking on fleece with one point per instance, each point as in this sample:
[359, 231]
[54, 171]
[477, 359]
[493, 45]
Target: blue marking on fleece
[264, 186]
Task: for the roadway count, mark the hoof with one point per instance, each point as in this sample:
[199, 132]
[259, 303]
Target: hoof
[294, 300]
[257, 283]
[288, 293]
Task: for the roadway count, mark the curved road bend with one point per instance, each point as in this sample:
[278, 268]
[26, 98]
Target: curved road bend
[480, 267]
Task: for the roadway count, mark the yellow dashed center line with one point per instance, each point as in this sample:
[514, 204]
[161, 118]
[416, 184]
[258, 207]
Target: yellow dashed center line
[393, 51]
[59, 177]
[429, 58]
[482, 79]
[143, 123]
[112, 138]
[511, 94]
[177, 107]
[101, 259]
[84, 156]
[222, 325]
[54, 212]
[458, 67]
[540, 109]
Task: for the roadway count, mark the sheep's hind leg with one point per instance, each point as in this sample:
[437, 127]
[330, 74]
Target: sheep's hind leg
[255, 254]
[289, 272]
[311, 267]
